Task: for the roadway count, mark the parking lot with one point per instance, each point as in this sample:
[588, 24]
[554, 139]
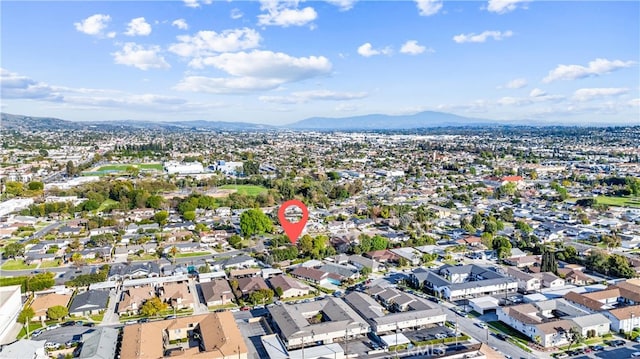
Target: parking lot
[429, 334]
[63, 334]
[251, 332]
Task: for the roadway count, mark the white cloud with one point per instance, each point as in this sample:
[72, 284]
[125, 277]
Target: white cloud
[15, 86]
[306, 96]
[482, 37]
[634, 103]
[516, 83]
[411, 47]
[93, 25]
[140, 57]
[196, 3]
[505, 6]
[236, 13]
[594, 68]
[586, 94]
[428, 7]
[254, 71]
[285, 14]
[205, 43]
[344, 5]
[180, 24]
[367, 50]
[536, 92]
[138, 27]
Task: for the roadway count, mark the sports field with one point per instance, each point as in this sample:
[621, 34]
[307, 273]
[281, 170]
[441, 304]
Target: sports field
[619, 201]
[123, 167]
[247, 190]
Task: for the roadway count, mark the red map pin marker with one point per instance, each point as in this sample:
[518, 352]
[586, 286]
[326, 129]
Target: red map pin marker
[293, 230]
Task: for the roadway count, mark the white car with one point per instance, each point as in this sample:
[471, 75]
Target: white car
[635, 354]
[51, 345]
[481, 325]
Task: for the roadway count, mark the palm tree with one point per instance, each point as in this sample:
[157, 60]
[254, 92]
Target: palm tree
[173, 251]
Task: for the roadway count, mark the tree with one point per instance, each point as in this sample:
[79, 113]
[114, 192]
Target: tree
[35, 186]
[173, 251]
[502, 245]
[57, 312]
[13, 250]
[549, 262]
[365, 271]
[279, 292]
[40, 281]
[305, 244]
[254, 221]
[574, 336]
[161, 217]
[26, 315]
[153, 306]
[71, 168]
[251, 168]
[155, 201]
[476, 221]
[189, 215]
[14, 188]
[379, 243]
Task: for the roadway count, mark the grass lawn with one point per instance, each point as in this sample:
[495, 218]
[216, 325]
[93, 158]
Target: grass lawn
[247, 190]
[619, 201]
[508, 330]
[194, 254]
[97, 318]
[14, 264]
[144, 257]
[32, 327]
[108, 203]
[51, 264]
[213, 308]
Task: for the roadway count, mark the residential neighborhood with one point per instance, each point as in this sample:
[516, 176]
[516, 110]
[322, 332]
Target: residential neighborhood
[145, 245]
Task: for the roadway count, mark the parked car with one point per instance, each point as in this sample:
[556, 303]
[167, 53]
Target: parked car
[615, 343]
[502, 336]
[128, 322]
[143, 320]
[597, 348]
[51, 345]
[36, 332]
[481, 325]
[635, 354]
[90, 324]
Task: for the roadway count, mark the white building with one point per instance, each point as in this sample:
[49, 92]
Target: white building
[183, 168]
[14, 205]
[10, 307]
[229, 168]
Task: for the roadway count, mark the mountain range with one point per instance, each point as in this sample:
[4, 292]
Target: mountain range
[424, 119]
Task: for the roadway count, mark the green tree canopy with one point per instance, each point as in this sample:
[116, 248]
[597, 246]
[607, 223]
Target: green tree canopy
[57, 312]
[26, 315]
[153, 306]
[13, 250]
[254, 221]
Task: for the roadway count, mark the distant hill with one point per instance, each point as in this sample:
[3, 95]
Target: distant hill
[20, 122]
[389, 122]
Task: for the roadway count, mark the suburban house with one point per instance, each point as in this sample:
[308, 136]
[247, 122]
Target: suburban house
[249, 285]
[218, 333]
[625, 319]
[290, 287]
[460, 282]
[42, 303]
[133, 298]
[548, 322]
[91, 302]
[527, 282]
[178, 295]
[217, 292]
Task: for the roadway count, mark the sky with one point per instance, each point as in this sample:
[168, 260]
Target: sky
[277, 62]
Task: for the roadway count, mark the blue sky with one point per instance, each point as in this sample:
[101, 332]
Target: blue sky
[276, 62]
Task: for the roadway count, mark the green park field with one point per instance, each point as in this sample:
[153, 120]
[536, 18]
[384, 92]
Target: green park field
[619, 201]
[123, 167]
[247, 190]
